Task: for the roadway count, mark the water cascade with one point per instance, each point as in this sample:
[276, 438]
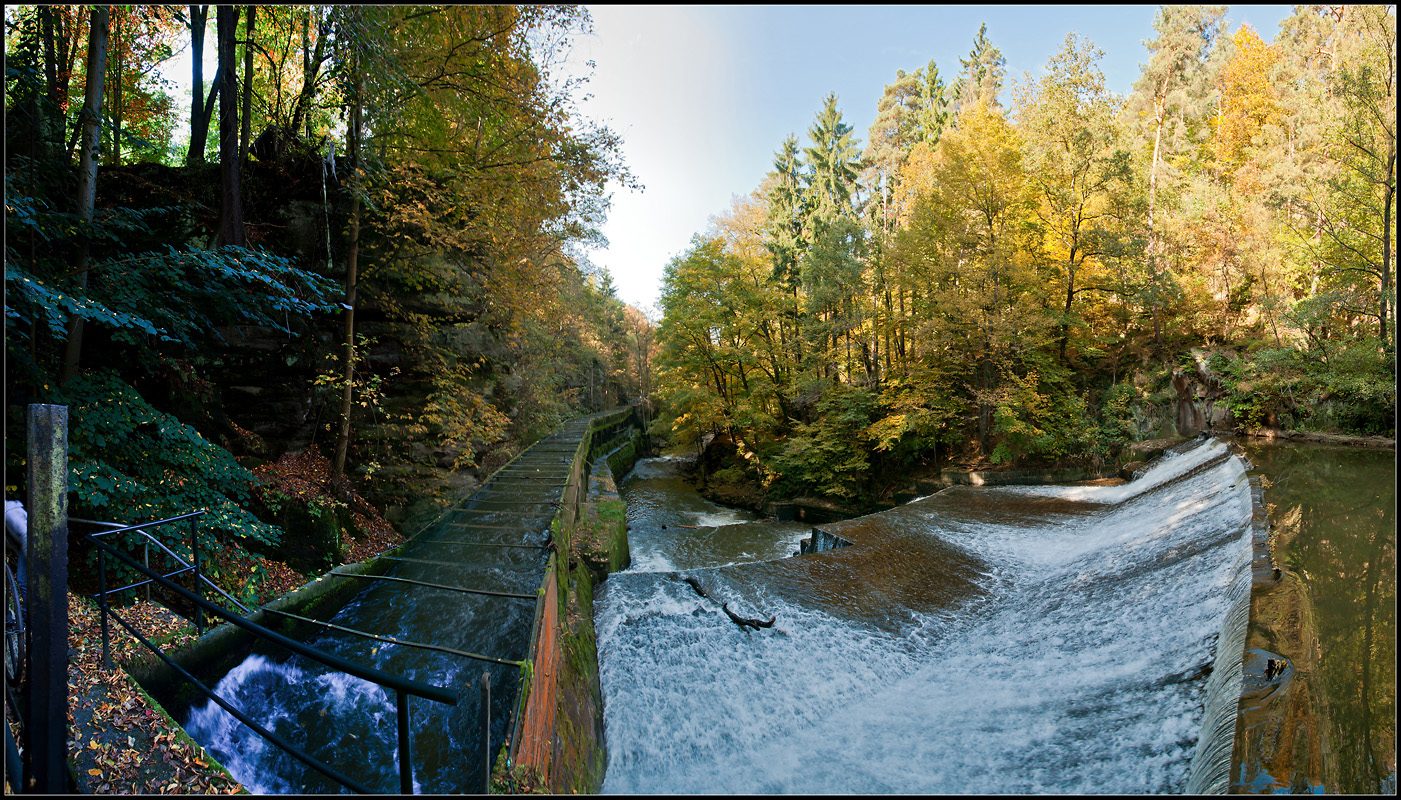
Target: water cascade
[980, 640]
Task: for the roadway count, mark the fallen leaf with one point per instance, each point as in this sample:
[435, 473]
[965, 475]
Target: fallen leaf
[95, 772]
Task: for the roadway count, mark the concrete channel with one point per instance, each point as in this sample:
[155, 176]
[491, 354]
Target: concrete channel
[546, 726]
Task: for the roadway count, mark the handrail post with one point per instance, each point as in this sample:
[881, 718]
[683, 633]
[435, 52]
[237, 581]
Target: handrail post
[46, 598]
[199, 586]
[102, 605]
[146, 544]
[486, 733]
[405, 756]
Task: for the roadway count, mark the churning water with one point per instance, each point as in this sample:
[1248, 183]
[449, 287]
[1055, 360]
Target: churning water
[477, 549]
[349, 723]
[981, 640]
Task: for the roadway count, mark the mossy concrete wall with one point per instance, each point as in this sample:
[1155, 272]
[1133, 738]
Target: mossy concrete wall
[559, 735]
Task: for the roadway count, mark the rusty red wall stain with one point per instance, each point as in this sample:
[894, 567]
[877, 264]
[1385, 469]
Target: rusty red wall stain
[538, 725]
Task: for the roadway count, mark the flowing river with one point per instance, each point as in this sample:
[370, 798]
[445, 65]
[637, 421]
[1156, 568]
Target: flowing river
[981, 640]
[1057, 639]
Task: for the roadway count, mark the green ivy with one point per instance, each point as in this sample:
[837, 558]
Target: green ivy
[130, 463]
[142, 288]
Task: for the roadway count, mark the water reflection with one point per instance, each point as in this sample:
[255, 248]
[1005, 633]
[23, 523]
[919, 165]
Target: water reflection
[1336, 509]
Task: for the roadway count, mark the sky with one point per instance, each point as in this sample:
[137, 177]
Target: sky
[703, 96]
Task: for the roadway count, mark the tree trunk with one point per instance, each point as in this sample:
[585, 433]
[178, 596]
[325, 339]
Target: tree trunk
[311, 68]
[984, 407]
[1069, 300]
[114, 104]
[306, 68]
[66, 20]
[1152, 233]
[1389, 189]
[351, 264]
[231, 197]
[51, 132]
[87, 172]
[201, 110]
[247, 116]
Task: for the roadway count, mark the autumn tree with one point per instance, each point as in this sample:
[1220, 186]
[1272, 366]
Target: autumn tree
[246, 111]
[142, 39]
[87, 171]
[1170, 106]
[476, 176]
[1075, 155]
[1249, 99]
[970, 243]
[894, 131]
[982, 72]
[1354, 208]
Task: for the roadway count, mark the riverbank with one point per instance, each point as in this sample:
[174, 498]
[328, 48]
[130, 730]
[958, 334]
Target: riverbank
[717, 480]
[1314, 437]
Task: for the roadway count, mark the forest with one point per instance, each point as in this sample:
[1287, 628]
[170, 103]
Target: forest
[357, 286]
[1044, 283]
[348, 276]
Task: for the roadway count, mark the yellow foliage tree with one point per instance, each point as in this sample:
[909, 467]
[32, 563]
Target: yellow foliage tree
[1249, 99]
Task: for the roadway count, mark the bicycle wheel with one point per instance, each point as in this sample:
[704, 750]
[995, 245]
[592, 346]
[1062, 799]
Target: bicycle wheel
[14, 630]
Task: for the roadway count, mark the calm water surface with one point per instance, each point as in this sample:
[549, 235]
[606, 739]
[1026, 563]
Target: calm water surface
[1340, 505]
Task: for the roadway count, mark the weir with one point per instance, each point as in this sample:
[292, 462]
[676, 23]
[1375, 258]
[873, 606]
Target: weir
[982, 639]
[1083, 639]
[466, 595]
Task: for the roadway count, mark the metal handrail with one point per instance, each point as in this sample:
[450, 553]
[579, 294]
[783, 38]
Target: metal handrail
[463, 589]
[141, 529]
[281, 743]
[371, 674]
[391, 640]
[403, 687]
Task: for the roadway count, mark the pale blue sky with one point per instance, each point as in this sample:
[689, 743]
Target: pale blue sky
[704, 95]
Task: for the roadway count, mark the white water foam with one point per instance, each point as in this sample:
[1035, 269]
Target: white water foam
[720, 516]
[286, 697]
[1081, 672]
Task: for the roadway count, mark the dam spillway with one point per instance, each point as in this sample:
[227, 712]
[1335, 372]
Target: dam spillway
[982, 640]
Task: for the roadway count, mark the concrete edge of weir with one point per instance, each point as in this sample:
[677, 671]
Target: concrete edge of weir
[570, 757]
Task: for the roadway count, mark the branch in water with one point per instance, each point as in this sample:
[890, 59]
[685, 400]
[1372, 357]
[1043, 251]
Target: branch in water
[742, 622]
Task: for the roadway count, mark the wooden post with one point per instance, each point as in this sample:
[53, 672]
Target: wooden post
[46, 602]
